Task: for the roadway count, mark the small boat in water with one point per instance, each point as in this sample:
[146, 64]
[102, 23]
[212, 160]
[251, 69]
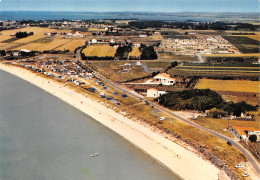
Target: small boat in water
[94, 155]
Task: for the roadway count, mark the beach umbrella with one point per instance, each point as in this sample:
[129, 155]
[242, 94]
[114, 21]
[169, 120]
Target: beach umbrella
[116, 93]
[104, 87]
[124, 95]
[118, 103]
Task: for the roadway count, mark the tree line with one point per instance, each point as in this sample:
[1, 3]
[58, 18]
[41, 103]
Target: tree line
[201, 100]
[21, 34]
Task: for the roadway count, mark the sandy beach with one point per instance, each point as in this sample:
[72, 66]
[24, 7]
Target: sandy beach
[184, 163]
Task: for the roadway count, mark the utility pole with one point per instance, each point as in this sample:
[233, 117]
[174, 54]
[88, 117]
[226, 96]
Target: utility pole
[228, 122]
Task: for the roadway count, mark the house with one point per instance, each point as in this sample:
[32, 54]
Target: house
[154, 93]
[244, 132]
[16, 53]
[94, 41]
[126, 68]
[164, 79]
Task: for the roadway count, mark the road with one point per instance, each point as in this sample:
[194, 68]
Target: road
[250, 158]
[200, 58]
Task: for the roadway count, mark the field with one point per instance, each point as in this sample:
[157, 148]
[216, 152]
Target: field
[72, 45]
[233, 55]
[255, 37]
[244, 44]
[100, 51]
[218, 70]
[30, 46]
[113, 70]
[233, 90]
[135, 52]
[220, 124]
[172, 56]
[158, 64]
[96, 29]
[229, 85]
[173, 34]
[38, 41]
[9, 46]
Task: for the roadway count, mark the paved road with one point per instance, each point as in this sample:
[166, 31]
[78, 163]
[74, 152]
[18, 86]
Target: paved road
[250, 158]
[201, 60]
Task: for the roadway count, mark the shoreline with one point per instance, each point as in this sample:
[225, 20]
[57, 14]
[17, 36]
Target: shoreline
[183, 163]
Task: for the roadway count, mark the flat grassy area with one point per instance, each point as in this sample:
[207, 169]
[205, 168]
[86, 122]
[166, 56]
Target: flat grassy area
[8, 46]
[233, 55]
[30, 46]
[219, 125]
[250, 98]
[173, 34]
[235, 70]
[172, 56]
[158, 64]
[72, 45]
[80, 29]
[44, 40]
[135, 52]
[229, 85]
[10, 40]
[47, 43]
[244, 44]
[113, 70]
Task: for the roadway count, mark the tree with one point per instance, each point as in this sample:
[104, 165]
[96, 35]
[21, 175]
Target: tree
[174, 64]
[148, 52]
[252, 138]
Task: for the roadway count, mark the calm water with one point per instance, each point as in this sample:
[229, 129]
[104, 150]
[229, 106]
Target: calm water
[28, 15]
[43, 138]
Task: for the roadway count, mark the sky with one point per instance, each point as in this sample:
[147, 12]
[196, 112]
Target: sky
[132, 5]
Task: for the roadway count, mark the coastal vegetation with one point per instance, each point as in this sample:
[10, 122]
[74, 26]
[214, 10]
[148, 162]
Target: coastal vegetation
[202, 100]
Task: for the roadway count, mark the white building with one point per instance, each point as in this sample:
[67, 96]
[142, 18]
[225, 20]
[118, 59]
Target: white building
[94, 41]
[154, 93]
[164, 79]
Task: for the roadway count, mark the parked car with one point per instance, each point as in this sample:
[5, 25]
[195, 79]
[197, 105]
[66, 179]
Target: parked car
[245, 174]
[239, 166]
[229, 143]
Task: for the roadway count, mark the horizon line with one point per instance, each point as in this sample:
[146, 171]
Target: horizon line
[128, 11]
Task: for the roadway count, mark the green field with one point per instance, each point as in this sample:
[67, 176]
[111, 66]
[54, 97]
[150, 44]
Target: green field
[173, 34]
[244, 44]
[217, 70]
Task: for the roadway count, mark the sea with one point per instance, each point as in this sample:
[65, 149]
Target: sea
[38, 15]
[44, 138]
